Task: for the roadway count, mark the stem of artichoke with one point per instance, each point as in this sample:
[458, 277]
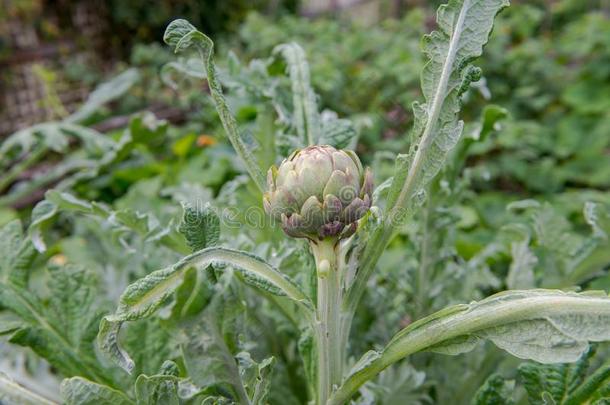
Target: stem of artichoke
[329, 350]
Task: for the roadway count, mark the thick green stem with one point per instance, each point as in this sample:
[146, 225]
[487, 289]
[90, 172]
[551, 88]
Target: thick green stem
[329, 335]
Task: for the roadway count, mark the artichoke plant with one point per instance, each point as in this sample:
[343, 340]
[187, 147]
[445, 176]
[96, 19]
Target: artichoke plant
[319, 192]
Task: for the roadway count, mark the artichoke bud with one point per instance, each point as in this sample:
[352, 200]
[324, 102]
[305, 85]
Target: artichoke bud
[319, 192]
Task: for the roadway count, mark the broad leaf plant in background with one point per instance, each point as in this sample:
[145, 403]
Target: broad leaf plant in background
[183, 334]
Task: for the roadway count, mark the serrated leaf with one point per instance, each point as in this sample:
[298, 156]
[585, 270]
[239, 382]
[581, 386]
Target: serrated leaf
[127, 220]
[544, 325]
[150, 344]
[305, 110]
[495, 391]
[337, 132]
[595, 387]
[464, 28]
[79, 391]
[144, 297]
[72, 305]
[62, 330]
[259, 385]
[209, 343]
[558, 380]
[157, 389]
[200, 227]
[16, 255]
[307, 351]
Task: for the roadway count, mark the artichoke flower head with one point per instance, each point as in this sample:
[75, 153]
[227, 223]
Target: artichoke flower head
[319, 192]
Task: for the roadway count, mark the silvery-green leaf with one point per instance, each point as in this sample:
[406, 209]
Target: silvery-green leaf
[157, 389]
[453, 347]
[256, 377]
[307, 351]
[548, 326]
[598, 217]
[181, 35]
[210, 343]
[336, 132]
[122, 221]
[13, 393]
[150, 344]
[80, 391]
[145, 296]
[305, 110]
[200, 226]
[16, 254]
[521, 270]
[192, 67]
[464, 28]
[536, 339]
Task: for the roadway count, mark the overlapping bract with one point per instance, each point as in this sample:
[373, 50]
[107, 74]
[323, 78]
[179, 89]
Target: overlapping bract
[319, 192]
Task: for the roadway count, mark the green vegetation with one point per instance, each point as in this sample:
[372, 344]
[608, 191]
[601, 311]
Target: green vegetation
[138, 266]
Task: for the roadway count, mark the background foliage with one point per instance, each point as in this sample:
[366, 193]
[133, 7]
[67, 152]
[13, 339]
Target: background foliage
[524, 203]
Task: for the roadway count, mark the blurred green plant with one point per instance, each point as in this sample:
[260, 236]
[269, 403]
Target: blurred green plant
[492, 220]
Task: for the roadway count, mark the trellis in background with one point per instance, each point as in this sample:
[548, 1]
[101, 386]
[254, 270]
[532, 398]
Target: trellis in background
[32, 86]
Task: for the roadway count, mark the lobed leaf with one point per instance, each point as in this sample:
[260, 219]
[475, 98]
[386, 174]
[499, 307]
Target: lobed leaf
[157, 389]
[339, 133]
[305, 110]
[548, 326]
[200, 227]
[144, 297]
[557, 380]
[464, 28]
[495, 391]
[122, 221]
[595, 387]
[61, 328]
[16, 254]
[80, 391]
[209, 345]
